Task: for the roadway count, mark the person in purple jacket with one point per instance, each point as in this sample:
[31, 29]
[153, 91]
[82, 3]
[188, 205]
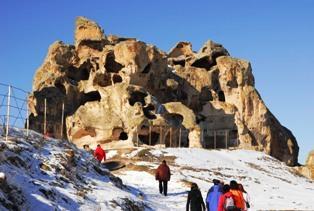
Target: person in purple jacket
[213, 196]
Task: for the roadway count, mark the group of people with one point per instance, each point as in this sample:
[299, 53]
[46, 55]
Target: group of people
[220, 197]
[99, 153]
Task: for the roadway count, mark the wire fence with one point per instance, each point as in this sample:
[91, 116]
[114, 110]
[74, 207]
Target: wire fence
[13, 109]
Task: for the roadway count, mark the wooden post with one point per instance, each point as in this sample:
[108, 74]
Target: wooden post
[137, 136]
[160, 135]
[45, 116]
[170, 136]
[62, 120]
[226, 138]
[215, 140]
[8, 114]
[180, 137]
[150, 135]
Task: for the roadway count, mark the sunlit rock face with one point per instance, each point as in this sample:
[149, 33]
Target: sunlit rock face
[114, 88]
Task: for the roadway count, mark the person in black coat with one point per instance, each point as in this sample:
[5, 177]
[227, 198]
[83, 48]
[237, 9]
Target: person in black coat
[195, 200]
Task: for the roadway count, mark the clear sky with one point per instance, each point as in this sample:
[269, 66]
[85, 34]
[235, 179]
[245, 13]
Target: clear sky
[276, 36]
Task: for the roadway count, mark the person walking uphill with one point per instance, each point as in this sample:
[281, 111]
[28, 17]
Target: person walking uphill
[213, 196]
[195, 200]
[163, 176]
[99, 153]
[238, 196]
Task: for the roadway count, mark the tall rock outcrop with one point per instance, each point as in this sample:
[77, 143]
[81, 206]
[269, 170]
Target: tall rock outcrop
[120, 90]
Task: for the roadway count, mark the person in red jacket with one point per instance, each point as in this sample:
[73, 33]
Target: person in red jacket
[163, 176]
[99, 153]
[226, 200]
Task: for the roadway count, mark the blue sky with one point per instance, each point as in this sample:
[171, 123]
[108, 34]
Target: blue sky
[277, 37]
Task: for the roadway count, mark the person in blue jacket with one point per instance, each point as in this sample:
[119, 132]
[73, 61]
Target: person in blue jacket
[213, 196]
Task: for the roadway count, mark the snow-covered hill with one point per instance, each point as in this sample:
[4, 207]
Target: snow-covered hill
[55, 175]
[270, 183]
[44, 175]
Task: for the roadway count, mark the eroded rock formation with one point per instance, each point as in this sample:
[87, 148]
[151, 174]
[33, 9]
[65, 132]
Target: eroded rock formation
[114, 88]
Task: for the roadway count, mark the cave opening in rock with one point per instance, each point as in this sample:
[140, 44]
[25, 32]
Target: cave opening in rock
[174, 119]
[145, 138]
[91, 96]
[137, 96]
[147, 68]
[221, 96]
[147, 111]
[84, 74]
[111, 65]
[203, 62]
[116, 78]
[123, 136]
[179, 62]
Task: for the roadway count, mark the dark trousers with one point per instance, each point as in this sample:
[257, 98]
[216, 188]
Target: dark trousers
[163, 186]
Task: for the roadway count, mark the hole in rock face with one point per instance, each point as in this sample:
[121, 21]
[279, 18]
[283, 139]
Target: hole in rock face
[117, 78]
[145, 138]
[91, 96]
[203, 62]
[179, 62]
[111, 65]
[81, 73]
[221, 96]
[147, 111]
[147, 68]
[174, 119]
[94, 44]
[123, 136]
[137, 96]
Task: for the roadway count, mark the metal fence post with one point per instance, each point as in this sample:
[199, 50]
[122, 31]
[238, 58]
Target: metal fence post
[27, 117]
[215, 140]
[45, 117]
[8, 114]
[62, 120]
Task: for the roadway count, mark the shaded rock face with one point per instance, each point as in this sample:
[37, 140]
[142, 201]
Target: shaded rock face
[113, 88]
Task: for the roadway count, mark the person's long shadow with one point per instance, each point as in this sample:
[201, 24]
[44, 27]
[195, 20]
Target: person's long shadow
[177, 194]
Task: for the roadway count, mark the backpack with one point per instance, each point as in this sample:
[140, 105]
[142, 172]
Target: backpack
[229, 204]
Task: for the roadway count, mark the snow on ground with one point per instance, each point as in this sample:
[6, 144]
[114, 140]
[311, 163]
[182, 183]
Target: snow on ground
[269, 182]
[55, 175]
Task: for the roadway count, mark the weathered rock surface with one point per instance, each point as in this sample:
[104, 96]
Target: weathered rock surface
[308, 169]
[114, 88]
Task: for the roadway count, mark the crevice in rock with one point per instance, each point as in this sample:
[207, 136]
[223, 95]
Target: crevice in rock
[221, 96]
[147, 68]
[111, 65]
